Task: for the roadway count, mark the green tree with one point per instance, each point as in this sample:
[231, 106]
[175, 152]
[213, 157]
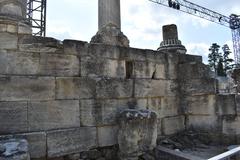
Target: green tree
[220, 68]
[214, 56]
[227, 62]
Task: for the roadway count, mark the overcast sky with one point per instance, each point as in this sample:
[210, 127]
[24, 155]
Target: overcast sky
[142, 23]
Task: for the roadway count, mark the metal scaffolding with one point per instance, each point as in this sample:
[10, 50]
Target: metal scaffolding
[232, 22]
[36, 14]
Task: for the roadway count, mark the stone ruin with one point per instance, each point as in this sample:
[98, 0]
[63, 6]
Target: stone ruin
[103, 100]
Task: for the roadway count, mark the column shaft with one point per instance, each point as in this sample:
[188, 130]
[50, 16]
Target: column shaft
[109, 12]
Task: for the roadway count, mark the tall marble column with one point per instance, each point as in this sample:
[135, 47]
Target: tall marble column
[13, 16]
[109, 24]
[109, 13]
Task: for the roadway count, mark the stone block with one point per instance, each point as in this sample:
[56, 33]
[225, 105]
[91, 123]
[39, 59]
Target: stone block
[104, 51]
[24, 29]
[201, 105]
[165, 106]
[26, 88]
[29, 43]
[65, 142]
[203, 123]
[19, 63]
[74, 47]
[186, 58]
[12, 28]
[59, 65]
[53, 115]
[173, 125]
[100, 67]
[148, 70]
[13, 117]
[155, 88]
[3, 27]
[37, 143]
[198, 86]
[144, 70]
[172, 61]
[231, 126]
[8, 41]
[237, 101]
[193, 70]
[75, 88]
[114, 88]
[104, 112]
[226, 105]
[107, 136]
[137, 132]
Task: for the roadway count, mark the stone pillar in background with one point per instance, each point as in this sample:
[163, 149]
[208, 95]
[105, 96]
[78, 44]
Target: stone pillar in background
[170, 42]
[109, 24]
[13, 17]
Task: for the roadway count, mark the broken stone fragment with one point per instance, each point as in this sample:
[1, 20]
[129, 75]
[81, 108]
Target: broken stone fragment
[137, 132]
[14, 149]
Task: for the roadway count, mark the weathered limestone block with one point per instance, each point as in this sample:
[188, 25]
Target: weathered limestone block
[203, 123]
[107, 136]
[74, 47]
[14, 149]
[193, 70]
[64, 142]
[198, 86]
[231, 126]
[165, 106]
[172, 125]
[148, 70]
[16, 88]
[19, 63]
[114, 88]
[104, 112]
[29, 43]
[237, 101]
[201, 105]
[37, 143]
[226, 105]
[8, 41]
[53, 115]
[186, 58]
[59, 65]
[172, 61]
[137, 133]
[104, 51]
[13, 117]
[75, 88]
[155, 88]
[99, 67]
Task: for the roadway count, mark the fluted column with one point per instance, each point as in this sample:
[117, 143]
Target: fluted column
[109, 13]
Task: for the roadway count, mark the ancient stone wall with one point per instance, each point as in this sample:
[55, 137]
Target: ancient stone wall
[63, 97]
